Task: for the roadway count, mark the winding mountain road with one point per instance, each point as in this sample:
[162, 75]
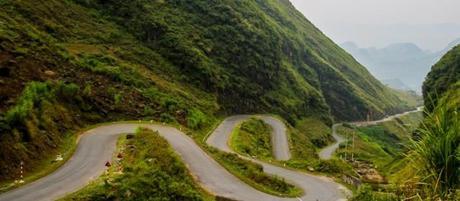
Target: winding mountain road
[221, 135]
[97, 146]
[315, 187]
[328, 152]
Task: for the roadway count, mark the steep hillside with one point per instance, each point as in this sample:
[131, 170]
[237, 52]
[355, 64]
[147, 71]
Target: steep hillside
[436, 152]
[67, 64]
[255, 55]
[442, 77]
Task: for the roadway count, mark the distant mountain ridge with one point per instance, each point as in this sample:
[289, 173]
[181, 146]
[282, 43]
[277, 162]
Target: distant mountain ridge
[396, 84]
[405, 62]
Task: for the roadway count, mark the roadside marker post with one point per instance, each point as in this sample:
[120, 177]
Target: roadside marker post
[21, 180]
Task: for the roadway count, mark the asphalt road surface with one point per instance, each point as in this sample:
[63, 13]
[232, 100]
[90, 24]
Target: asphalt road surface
[97, 146]
[327, 152]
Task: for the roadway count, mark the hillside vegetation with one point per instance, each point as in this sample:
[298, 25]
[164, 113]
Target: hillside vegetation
[436, 152]
[227, 54]
[68, 64]
[442, 77]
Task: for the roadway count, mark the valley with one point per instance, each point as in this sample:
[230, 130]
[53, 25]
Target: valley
[212, 100]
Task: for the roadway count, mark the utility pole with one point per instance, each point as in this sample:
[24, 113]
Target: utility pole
[353, 148]
[346, 149]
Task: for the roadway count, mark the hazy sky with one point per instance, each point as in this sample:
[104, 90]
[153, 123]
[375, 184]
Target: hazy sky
[431, 24]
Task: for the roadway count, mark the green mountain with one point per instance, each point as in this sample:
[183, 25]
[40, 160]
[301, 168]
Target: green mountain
[436, 153]
[67, 64]
[443, 77]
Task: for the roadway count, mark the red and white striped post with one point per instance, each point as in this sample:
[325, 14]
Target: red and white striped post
[21, 180]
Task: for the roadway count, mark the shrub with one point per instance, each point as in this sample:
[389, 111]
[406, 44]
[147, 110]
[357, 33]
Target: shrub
[32, 95]
[332, 166]
[87, 91]
[3, 124]
[151, 93]
[67, 91]
[117, 98]
[299, 164]
[165, 117]
[148, 111]
[116, 94]
[108, 66]
[196, 119]
[436, 153]
[365, 193]
[170, 103]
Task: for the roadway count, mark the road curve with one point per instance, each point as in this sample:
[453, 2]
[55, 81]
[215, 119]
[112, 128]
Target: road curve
[97, 145]
[315, 187]
[326, 153]
[389, 118]
[279, 139]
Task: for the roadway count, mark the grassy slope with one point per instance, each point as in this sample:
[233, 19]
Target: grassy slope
[253, 138]
[116, 78]
[159, 60]
[151, 171]
[318, 132]
[382, 145]
[305, 138]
